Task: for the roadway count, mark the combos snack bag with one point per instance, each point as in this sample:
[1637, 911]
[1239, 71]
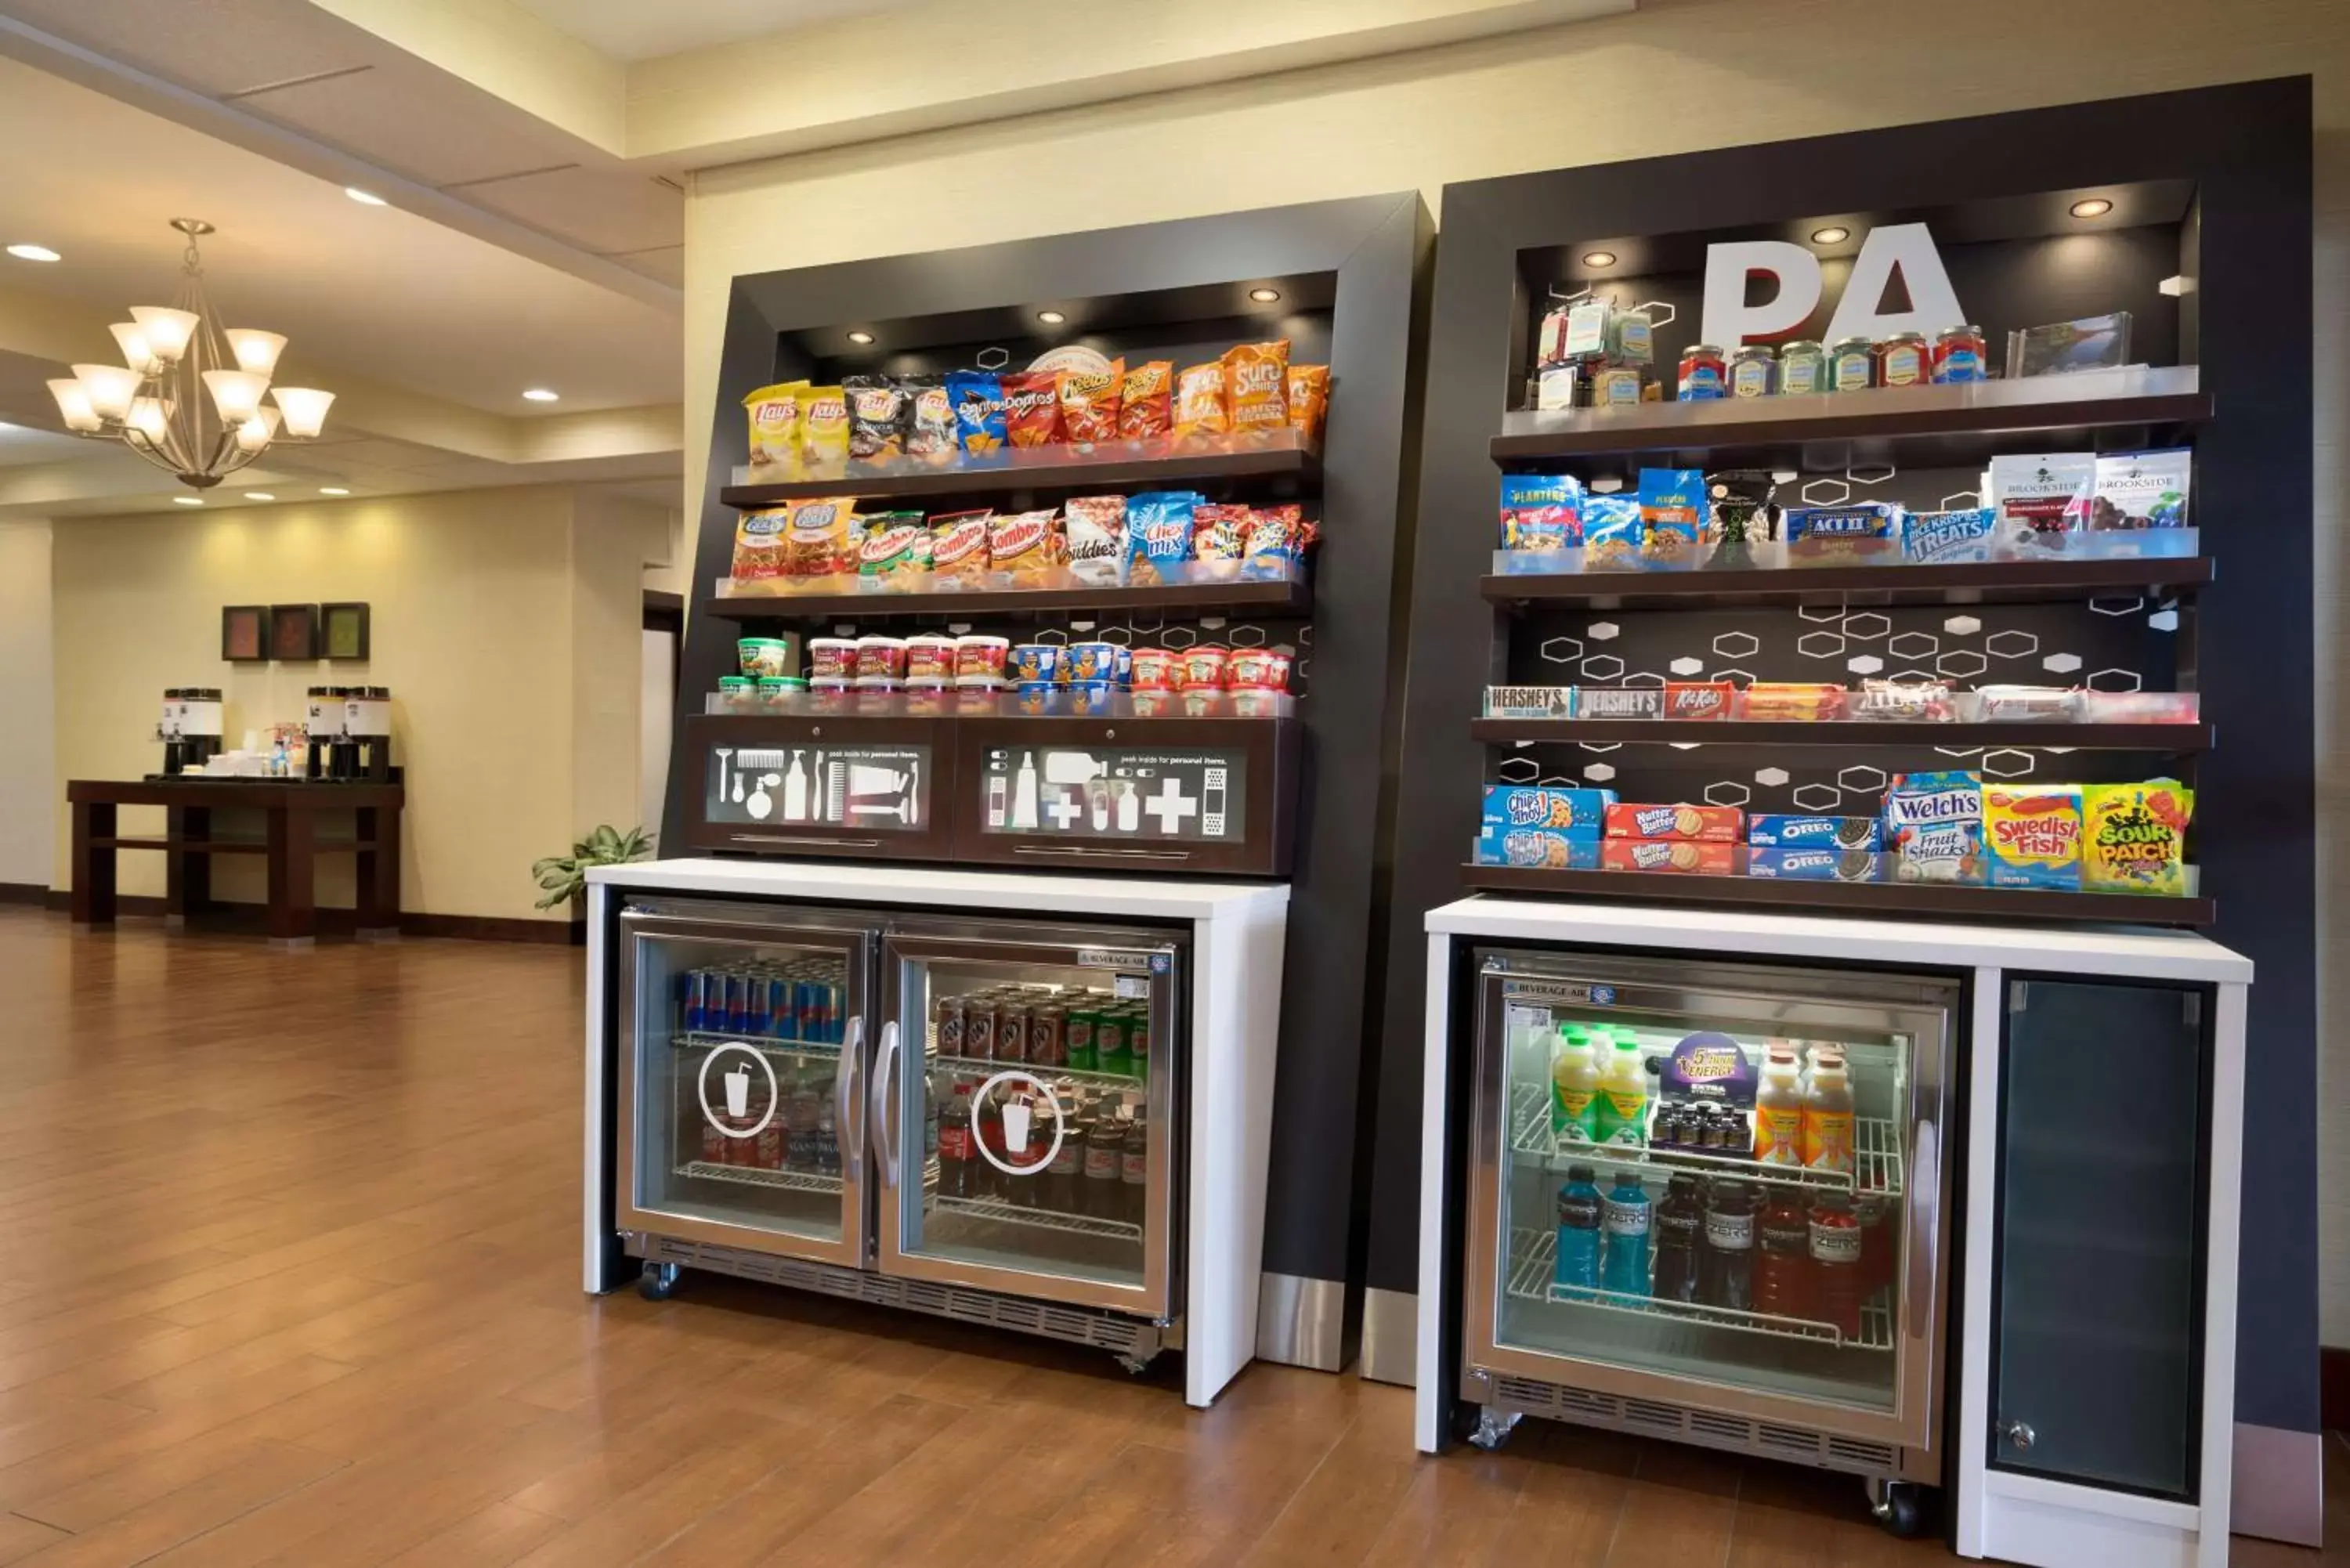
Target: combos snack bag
[930, 428]
[818, 540]
[1200, 406]
[759, 544]
[1031, 407]
[1097, 538]
[776, 425]
[1158, 533]
[977, 398]
[1541, 512]
[1147, 402]
[1309, 400]
[1026, 547]
[1672, 512]
[2134, 836]
[878, 407]
[1256, 385]
[824, 429]
[959, 543]
[1089, 400]
[2032, 835]
[895, 550]
[1933, 824]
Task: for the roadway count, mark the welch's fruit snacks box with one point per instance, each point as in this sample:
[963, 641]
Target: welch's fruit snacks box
[1933, 825]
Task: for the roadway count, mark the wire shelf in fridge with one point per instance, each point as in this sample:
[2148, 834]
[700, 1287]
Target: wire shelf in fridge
[1533, 1256]
[1876, 1153]
[1039, 1218]
[756, 1176]
[765, 1044]
[972, 1067]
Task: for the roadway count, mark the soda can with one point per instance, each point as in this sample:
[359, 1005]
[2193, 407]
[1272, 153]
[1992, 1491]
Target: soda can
[1110, 1051]
[978, 1028]
[689, 1001]
[716, 1146]
[733, 1000]
[1046, 1025]
[1138, 1041]
[948, 1016]
[778, 992]
[1077, 1038]
[1013, 1017]
[759, 1006]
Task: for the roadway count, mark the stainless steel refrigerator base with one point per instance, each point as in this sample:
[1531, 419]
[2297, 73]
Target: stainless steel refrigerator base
[1135, 1341]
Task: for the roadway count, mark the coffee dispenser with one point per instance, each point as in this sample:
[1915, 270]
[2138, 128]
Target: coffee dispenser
[366, 732]
[323, 723]
[191, 727]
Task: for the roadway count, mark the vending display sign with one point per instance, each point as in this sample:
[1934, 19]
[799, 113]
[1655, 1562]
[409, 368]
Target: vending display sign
[879, 788]
[1116, 795]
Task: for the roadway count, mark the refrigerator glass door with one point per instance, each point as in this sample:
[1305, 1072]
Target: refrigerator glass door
[1662, 1214]
[1027, 1109]
[741, 1083]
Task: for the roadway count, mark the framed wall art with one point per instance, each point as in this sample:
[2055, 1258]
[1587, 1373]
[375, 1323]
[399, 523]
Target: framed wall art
[343, 632]
[245, 634]
[293, 632]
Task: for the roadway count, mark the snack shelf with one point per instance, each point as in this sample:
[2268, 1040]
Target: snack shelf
[766, 1045]
[1877, 1145]
[1952, 900]
[1279, 467]
[1274, 596]
[1533, 1258]
[1001, 1213]
[1932, 426]
[2177, 739]
[753, 1176]
[1960, 583]
[973, 1068]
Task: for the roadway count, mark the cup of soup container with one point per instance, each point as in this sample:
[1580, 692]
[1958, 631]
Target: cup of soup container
[1153, 669]
[1033, 696]
[1033, 661]
[980, 698]
[1092, 661]
[765, 655]
[1154, 704]
[1257, 704]
[828, 695]
[832, 658]
[1202, 701]
[1092, 697]
[980, 657]
[881, 656]
[778, 693]
[1253, 669]
[930, 658]
[927, 696]
[1201, 669]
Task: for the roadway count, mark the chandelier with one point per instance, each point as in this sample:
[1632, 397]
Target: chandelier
[188, 397]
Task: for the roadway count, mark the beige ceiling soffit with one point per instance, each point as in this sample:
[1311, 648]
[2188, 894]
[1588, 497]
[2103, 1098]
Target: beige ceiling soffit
[102, 477]
[239, 128]
[603, 433]
[927, 66]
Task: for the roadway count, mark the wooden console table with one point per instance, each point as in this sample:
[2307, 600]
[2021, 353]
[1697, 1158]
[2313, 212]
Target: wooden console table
[292, 845]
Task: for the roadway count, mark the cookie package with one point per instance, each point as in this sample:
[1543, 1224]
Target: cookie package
[1697, 823]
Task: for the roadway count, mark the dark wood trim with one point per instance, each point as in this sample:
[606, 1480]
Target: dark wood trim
[2176, 740]
[252, 917]
[1291, 471]
[1940, 900]
[1863, 587]
[1180, 601]
[263, 795]
[2333, 1388]
[493, 929]
[659, 599]
[37, 894]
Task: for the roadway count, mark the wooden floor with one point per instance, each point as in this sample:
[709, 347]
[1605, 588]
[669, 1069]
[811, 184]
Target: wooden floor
[293, 1281]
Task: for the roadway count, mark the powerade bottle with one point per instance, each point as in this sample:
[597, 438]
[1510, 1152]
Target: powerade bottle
[1579, 1206]
[1625, 1215]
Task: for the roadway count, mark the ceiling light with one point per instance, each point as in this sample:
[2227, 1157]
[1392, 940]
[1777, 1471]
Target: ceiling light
[255, 350]
[539, 395]
[187, 501]
[332, 490]
[1264, 295]
[1599, 258]
[1051, 317]
[305, 409]
[1834, 235]
[73, 402]
[2095, 207]
[33, 252]
[860, 338]
[259, 496]
[364, 198]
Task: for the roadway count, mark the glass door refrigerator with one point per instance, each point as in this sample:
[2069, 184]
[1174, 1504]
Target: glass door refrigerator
[981, 1120]
[1706, 1203]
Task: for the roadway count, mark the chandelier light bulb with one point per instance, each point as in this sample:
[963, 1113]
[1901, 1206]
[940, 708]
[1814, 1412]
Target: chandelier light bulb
[235, 393]
[255, 350]
[111, 388]
[305, 409]
[135, 351]
[167, 330]
[150, 419]
[259, 431]
[73, 404]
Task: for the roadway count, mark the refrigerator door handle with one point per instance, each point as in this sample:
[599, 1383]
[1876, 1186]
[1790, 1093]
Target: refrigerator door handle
[877, 1106]
[845, 1095]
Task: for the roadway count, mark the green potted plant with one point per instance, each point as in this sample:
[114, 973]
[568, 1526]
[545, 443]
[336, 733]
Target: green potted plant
[563, 878]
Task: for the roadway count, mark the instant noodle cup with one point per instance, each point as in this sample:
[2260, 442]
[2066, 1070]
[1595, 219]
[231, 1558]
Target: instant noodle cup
[760, 655]
[1146, 402]
[1200, 406]
[1153, 669]
[1092, 661]
[827, 695]
[774, 413]
[880, 658]
[1256, 385]
[1034, 696]
[831, 659]
[1154, 704]
[1200, 669]
[1092, 697]
[930, 658]
[1200, 702]
[1033, 661]
[1255, 668]
[979, 658]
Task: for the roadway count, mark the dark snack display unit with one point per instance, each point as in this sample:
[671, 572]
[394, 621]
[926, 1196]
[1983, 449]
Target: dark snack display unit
[1906, 524]
[1078, 555]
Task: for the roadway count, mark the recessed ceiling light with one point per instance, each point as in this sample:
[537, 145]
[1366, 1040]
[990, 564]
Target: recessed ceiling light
[860, 338]
[33, 252]
[539, 395]
[2095, 207]
[1051, 317]
[364, 198]
[187, 501]
[1264, 295]
[332, 490]
[1599, 258]
[259, 496]
[1831, 235]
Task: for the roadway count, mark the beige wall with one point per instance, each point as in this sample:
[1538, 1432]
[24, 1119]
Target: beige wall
[1677, 76]
[27, 822]
[505, 623]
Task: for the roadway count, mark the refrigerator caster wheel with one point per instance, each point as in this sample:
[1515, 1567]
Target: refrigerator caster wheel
[1494, 1429]
[1135, 1365]
[1899, 1506]
[657, 1283]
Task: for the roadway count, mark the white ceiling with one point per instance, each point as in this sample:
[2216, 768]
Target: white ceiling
[641, 29]
[385, 294]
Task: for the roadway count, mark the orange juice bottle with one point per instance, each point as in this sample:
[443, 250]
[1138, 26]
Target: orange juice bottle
[1827, 1114]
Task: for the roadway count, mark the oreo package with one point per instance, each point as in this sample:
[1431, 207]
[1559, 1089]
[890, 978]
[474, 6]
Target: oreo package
[1766, 831]
[1816, 865]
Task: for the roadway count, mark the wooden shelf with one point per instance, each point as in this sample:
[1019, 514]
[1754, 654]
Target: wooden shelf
[1967, 583]
[1950, 426]
[2174, 739]
[1178, 600]
[1280, 471]
[1937, 898]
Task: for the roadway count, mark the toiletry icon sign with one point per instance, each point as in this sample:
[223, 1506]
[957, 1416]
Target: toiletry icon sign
[734, 1088]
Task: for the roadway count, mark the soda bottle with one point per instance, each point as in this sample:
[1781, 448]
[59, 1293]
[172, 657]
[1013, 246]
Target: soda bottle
[1827, 1114]
[1779, 1109]
[957, 1157]
[1063, 1179]
[1681, 1221]
[1103, 1175]
[987, 1138]
[823, 1153]
[802, 1105]
[1574, 1089]
[1134, 1172]
[1625, 1215]
[1836, 1263]
[1579, 1205]
[1729, 1263]
[1623, 1093]
[1783, 1253]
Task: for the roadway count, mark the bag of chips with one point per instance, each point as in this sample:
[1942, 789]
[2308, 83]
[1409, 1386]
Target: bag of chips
[819, 541]
[1097, 530]
[759, 543]
[824, 431]
[1032, 408]
[1271, 548]
[1026, 548]
[1199, 407]
[977, 397]
[1611, 533]
[776, 429]
[930, 428]
[1220, 534]
[878, 407]
[1089, 400]
[1159, 534]
[959, 542]
[1146, 403]
[2040, 499]
[1541, 512]
[895, 551]
[1256, 385]
[1309, 400]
